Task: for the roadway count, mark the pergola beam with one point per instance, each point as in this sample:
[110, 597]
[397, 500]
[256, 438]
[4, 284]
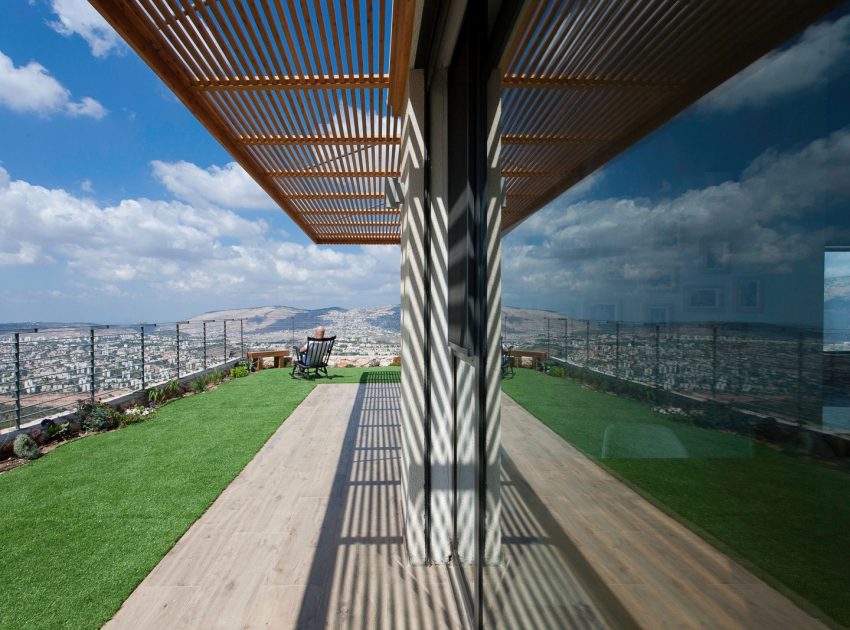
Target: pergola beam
[331, 174]
[525, 81]
[348, 212]
[524, 172]
[335, 195]
[358, 224]
[356, 239]
[553, 139]
[318, 140]
[319, 82]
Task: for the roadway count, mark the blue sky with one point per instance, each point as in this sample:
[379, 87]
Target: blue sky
[94, 142]
[118, 206]
[756, 173]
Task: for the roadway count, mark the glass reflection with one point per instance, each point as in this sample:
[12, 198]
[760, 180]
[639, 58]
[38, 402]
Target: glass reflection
[699, 355]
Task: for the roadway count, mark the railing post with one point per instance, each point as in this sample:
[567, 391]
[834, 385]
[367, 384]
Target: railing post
[713, 361]
[566, 339]
[178, 351]
[800, 342]
[587, 345]
[617, 349]
[657, 353]
[241, 339]
[142, 331]
[17, 380]
[548, 340]
[205, 345]
[225, 341]
[91, 363]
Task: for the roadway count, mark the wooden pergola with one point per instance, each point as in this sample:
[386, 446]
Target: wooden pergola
[306, 94]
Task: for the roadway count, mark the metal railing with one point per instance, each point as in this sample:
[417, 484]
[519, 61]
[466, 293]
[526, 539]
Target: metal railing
[776, 370]
[355, 336]
[44, 372]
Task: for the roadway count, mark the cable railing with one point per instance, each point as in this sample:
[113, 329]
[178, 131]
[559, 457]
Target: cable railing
[44, 372]
[781, 371]
[355, 336]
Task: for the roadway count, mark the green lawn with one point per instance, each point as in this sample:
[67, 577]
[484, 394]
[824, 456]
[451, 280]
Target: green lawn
[787, 518]
[84, 525]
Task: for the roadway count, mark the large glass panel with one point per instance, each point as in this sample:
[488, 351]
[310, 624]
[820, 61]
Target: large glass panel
[461, 303]
[683, 455]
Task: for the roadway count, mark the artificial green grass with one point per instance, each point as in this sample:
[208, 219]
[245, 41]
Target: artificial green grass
[359, 375]
[785, 517]
[85, 524]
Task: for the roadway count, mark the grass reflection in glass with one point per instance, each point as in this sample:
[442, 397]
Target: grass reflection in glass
[786, 518]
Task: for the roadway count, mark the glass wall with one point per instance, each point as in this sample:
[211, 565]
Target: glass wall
[684, 452]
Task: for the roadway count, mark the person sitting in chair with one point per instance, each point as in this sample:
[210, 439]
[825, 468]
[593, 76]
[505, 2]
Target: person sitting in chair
[313, 355]
[319, 334]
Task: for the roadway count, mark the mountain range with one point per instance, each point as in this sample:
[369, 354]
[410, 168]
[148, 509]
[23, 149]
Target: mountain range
[378, 322]
[381, 321]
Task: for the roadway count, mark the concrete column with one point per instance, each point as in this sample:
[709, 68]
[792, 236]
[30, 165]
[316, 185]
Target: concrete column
[413, 319]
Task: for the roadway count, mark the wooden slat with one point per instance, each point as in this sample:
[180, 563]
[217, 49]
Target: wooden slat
[323, 82]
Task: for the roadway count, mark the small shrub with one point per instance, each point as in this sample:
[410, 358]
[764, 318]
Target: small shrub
[198, 385]
[26, 448]
[556, 370]
[156, 396]
[98, 416]
[172, 389]
[59, 431]
[350, 365]
[238, 371]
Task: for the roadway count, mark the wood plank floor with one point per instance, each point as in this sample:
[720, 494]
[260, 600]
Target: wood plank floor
[640, 564]
[308, 535]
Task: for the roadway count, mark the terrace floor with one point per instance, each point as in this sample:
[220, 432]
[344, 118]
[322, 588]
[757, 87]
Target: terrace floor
[309, 535]
[641, 566]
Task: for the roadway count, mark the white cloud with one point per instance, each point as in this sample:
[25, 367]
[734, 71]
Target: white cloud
[177, 248]
[78, 17]
[31, 88]
[573, 246]
[227, 186]
[808, 63]
[87, 107]
[12, 254]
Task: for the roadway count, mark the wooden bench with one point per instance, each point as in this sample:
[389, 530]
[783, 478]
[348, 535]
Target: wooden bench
[281, 358]
[536, 357]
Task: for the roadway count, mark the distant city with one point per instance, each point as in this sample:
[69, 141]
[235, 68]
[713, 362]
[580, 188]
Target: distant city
[770, 368]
